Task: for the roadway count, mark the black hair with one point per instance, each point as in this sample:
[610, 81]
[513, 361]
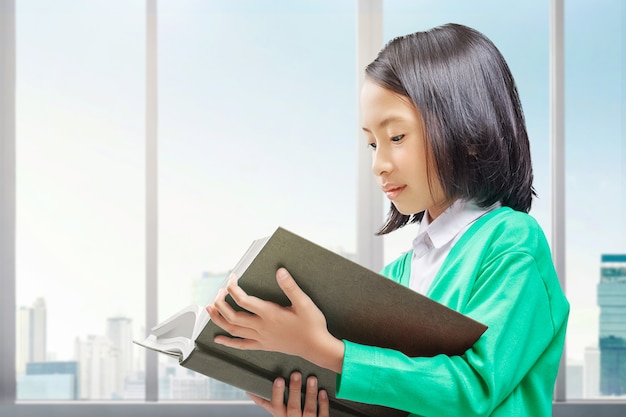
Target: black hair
[476, 133]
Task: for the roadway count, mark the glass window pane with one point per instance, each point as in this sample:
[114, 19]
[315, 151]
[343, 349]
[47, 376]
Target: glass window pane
[520, 30]
[80, 199]
[595, 198]
[257, 129]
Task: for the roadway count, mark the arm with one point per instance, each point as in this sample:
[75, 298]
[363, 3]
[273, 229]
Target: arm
[510, 296]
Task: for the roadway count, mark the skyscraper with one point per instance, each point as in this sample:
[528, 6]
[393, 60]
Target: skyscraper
[96, 373]
[22, 330]
[39, 337]
[120, 333]
[31, 335]
[612, 337]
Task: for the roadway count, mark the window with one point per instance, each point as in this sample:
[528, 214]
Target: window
[80, 199]
[256, 130]
[223, 148]
[80, 174]
[595, 199]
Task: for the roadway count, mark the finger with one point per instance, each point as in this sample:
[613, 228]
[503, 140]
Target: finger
[295, 391]
[251, 303]
[238, 343]
[310, 400]
[323, 404]
[245, 337]
[278, 398]
[291, 288]
[219, 320]
[238, 318]
[221, 294]
[223, 307]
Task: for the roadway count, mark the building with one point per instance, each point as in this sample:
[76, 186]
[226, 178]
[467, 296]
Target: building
[38, 329]
[31, 335]
[612, 337]
[575, 382]
[119, 331]
[96, 358]
[49, 381]
[23, 339]
[591, 373]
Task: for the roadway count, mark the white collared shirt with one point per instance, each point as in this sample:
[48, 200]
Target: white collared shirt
[435, 240]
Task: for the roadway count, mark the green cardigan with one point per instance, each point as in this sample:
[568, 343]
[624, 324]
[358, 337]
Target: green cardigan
[500, 273]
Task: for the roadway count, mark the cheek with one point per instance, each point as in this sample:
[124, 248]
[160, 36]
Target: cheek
[415, 166]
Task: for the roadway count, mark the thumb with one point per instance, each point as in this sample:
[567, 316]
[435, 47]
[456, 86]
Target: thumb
[291, 288]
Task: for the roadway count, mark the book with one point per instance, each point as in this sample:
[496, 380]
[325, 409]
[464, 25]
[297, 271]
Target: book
[359, 304]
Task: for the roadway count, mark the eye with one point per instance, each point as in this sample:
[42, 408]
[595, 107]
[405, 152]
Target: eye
[397, 138]
[372, 145]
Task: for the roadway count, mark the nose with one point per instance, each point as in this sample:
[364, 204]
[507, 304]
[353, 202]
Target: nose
[381, 161]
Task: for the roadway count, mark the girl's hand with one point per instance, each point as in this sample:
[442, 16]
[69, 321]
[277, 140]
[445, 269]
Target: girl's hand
[315, 404]
[299, 329]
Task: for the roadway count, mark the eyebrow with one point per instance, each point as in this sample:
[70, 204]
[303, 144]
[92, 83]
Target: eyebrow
[385, 122]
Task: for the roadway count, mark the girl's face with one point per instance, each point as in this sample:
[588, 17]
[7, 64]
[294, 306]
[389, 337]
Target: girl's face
[395, 131]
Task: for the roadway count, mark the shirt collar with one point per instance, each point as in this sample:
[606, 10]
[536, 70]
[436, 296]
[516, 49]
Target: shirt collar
[449, 223]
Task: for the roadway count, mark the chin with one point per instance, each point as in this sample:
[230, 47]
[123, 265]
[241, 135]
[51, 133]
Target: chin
[407, 211]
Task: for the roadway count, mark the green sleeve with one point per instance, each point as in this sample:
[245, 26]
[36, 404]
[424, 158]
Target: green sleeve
[503, 374]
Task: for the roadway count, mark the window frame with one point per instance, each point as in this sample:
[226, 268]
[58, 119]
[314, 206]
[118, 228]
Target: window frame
[7, 201]
[369, 41]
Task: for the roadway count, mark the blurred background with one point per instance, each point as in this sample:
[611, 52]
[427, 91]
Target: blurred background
[257, 128]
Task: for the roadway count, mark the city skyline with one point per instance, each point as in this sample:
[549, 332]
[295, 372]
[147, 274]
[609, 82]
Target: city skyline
[124, 366]
[108, 366]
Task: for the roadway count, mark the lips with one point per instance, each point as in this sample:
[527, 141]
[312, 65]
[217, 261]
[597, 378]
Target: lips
[393, 191]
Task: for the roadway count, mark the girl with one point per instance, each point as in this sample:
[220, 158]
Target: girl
[450, 150]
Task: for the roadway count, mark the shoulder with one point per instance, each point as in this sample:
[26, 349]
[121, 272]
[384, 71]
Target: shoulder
[513, 253]
[509, 217]
[506, 234]
[507, 228]
[510, 238]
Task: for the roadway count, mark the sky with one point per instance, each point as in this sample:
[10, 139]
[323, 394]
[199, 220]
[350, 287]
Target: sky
[257, 128]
